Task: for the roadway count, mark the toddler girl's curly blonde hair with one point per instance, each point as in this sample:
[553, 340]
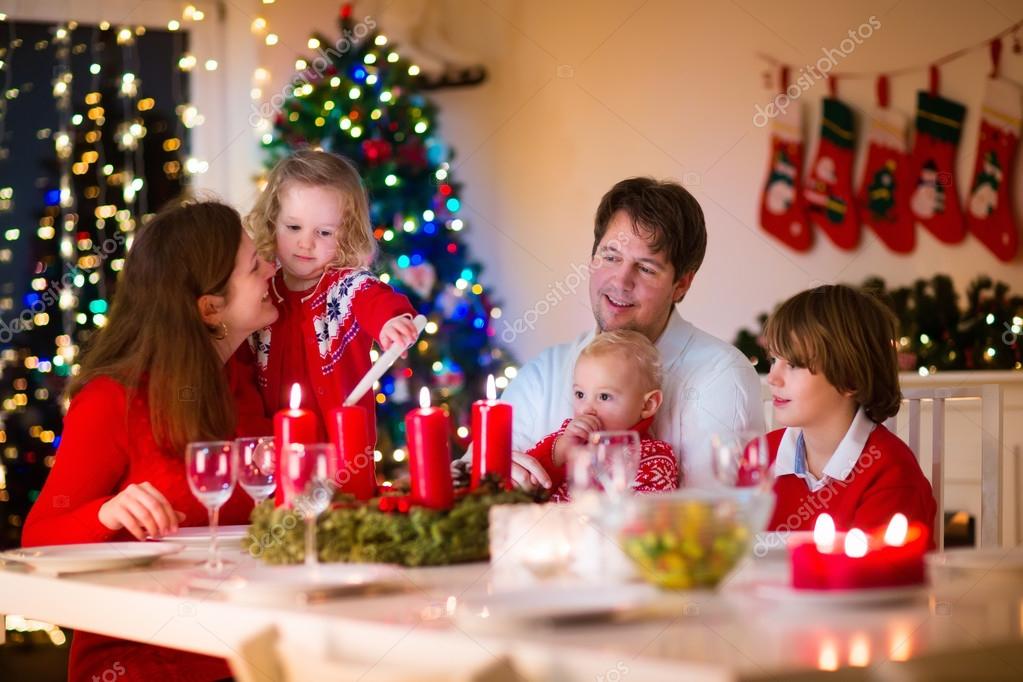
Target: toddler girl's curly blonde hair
[356, 246]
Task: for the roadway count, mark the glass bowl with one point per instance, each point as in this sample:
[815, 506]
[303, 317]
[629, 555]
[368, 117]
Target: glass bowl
[692, 539]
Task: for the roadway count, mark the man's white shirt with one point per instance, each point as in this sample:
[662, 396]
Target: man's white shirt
[709, 388]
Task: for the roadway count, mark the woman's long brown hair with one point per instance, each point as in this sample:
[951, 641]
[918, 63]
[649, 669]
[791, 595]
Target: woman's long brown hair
[155, 336]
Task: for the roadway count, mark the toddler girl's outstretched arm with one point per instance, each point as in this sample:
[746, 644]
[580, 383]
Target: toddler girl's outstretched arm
[384, 313]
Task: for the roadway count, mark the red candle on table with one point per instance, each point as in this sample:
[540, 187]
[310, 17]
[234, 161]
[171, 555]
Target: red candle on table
[293, 425]
[429, 455]
[892, 558]
[491, 437]
[348, 430]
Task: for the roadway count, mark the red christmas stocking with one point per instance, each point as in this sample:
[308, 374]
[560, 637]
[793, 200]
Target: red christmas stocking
[828, 190]
[883, 202]
[782, 213]
[934, 201]
[989, 209]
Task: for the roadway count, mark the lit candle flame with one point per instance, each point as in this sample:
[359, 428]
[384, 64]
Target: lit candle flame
[296, 397]
[491, 388]
[895, 534]
[855, 544]
[424, 397]
[824, 534]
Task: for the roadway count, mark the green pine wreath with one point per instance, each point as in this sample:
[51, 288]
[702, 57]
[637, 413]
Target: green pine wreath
[359, 532]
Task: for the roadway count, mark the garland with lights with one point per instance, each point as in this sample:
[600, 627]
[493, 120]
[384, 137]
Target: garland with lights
[385, 529]
[360, 98]
[106, 149]
[935, 333]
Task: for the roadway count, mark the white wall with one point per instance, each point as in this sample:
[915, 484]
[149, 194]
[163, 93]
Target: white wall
[669, 89]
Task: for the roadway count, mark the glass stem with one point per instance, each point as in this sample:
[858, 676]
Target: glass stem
[213, 563]
[310, 540]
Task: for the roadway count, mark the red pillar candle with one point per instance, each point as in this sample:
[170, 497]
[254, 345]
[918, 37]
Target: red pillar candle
[893, 557]
[491, 437]
[429, 455]
[293, 425]
[348, 430]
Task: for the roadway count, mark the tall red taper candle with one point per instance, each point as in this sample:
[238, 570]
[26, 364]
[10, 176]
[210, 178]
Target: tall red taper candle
[348, 430]
[491, 437]
[429, 455]
[293, 425]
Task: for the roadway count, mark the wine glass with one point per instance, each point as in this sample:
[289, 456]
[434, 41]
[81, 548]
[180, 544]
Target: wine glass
[308, 476]
[617, 456]
[607, 464]
[257, 473]
[212, 473]
[741, 459]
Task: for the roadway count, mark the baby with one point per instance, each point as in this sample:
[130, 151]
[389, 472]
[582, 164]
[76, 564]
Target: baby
[616, 386]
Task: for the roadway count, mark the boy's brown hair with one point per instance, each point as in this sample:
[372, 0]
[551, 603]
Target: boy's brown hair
[847, 335]
[634, 347]
[356, 245]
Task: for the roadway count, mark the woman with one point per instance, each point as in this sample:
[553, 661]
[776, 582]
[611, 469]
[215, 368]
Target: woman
[155, 378]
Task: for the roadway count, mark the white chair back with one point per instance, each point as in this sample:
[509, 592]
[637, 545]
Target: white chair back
[990, 395]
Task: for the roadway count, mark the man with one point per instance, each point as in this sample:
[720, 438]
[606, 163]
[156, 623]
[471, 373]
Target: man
[649, 240]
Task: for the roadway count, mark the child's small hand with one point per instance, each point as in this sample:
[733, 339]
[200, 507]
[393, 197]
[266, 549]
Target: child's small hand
[398, 330]
[576, 433]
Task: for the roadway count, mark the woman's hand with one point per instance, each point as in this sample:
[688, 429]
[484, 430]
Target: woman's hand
[143, 510]
[401, 330]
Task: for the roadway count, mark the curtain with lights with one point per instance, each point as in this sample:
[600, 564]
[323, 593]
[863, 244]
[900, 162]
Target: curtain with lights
[92, 132]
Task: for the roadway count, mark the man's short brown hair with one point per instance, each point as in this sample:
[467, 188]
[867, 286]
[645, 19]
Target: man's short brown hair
[846, 334]
[662, 211]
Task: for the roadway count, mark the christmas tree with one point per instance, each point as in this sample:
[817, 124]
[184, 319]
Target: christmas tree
[360, 98]
[83, 161]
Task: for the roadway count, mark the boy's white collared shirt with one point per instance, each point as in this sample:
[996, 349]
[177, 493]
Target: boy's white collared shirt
[791, 458]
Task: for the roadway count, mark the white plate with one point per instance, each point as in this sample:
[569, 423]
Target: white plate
[199, 536]
[786, 594]
[555, 604]
[261, 583]
[56, 559]
[971, 559]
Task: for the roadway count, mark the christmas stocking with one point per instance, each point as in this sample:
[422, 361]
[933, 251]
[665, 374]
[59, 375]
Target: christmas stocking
[883, 202]
[782, 212]
[934, 201]
[828, 190]
[989, 209]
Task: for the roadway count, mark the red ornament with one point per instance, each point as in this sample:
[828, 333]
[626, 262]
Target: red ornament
[345, 11]
[413, 153]
[377, 151]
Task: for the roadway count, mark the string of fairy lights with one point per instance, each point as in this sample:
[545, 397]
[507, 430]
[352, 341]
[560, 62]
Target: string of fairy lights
[119, 190]
[70, 293]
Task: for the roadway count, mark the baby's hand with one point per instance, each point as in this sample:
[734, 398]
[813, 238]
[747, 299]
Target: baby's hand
[398, 330]
[576, 433]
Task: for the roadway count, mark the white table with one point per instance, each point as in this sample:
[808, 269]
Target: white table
[728, 635]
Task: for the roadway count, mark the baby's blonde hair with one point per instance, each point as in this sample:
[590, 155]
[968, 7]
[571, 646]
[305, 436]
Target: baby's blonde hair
[634, 348]
[356, 246]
